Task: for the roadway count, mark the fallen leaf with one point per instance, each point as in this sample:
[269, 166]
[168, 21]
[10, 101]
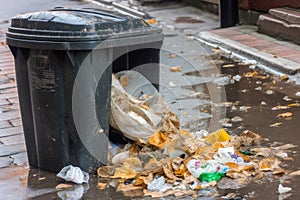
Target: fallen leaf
[259, 176]
[284, 115]
[183, 193]
[277, 124]
[102, 186]
[280, 107]
[269, 164]
[263, 151]
[153, 166]
[284, 78]
[106, 171]
[175, 69]
[155, 194]
[124, 81]
[228, 66]
[130, 190]
[285, 147]
[216, 49]
[125, 173]
[295, 173]
[159, 140]
[172, 55]
[42, 178]
[149, 178]
[294, 105]
[279, 171]
[63, 186]
[251, 74]
[152, 21]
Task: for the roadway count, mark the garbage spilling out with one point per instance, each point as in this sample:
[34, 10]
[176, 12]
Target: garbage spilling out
[160, 159]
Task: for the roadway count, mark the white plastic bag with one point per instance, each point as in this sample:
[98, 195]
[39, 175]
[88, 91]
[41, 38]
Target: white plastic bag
[137, 109]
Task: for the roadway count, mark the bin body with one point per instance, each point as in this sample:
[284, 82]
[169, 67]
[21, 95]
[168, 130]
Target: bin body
[64, 60]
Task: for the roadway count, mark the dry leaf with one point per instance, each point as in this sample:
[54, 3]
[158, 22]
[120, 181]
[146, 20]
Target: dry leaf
[295, 173]
[63, 186]
[130, 190]
[155, 194]
[276, 124]
[149, 178]
[105, 171]
[234, 166]
[102, 186]
[280, 108]
[124, 81]
[153, 166]
[228, 66]
[285, 147]
[259, 176]
[183, 193]
[294, 105]
[278, 171]
[125, 173]
[175, 69]
[251, 74]
[284, 115]
[177, 162]
[284, 78]
[268, 164]
[159, 140]
[263, 151]
[152, 21]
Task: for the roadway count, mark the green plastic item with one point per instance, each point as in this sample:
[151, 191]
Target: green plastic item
[247, 152]
[208, 177]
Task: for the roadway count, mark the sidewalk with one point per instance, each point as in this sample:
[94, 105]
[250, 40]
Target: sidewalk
[13, 157]
[278, 55]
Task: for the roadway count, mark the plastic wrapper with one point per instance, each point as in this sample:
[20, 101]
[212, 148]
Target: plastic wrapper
[218, 136]
[282, 189]
[159, 184]
[196, 167]
[73, 174]
[137, 109]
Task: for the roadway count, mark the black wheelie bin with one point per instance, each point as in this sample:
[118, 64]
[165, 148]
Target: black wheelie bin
[64, 60]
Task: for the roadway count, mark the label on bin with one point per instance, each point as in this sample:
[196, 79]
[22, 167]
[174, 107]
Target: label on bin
[43, 74]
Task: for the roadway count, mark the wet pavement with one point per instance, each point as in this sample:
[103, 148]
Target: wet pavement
[194, 96]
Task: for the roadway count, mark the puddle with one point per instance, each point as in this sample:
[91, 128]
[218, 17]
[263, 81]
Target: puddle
[261, 93]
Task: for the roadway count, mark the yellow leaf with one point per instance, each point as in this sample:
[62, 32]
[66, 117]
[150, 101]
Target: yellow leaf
[287, 114]
[175, 69]
[159, 140]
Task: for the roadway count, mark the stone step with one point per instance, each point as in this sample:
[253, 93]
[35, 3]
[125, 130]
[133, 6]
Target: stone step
[291, 16]
[281, 23]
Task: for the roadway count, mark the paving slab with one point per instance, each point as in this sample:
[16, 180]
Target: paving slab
[244, 40]
[11, 131]
[5, 161]
[14, 139]
[10, 115]
[7, 150]
[20, 159]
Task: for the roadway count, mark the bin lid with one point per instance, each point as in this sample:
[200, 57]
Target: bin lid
[74, 25]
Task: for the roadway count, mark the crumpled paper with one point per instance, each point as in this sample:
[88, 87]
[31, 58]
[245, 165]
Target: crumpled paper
[73, 174]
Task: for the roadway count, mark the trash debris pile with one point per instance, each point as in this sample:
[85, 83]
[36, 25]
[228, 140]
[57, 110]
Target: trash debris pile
[161, 160]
